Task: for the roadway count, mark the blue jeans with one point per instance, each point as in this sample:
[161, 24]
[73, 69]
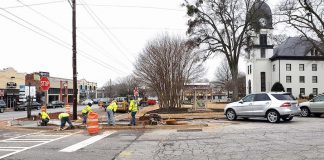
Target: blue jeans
[133, 120]
[44, 122]
[64, 120]
[84, 118]
[111, 118]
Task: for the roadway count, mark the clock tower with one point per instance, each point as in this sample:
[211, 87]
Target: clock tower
[259, 67]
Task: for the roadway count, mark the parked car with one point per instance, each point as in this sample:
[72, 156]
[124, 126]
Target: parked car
[103, 102]
[2, 106]
[273, 106]
[85, 102]
[315, 106]
[96, 101]
[55, 104]
[151, 102]
[23, 106]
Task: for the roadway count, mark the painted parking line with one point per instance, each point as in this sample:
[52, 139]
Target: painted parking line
[86, 142]
[19, 139]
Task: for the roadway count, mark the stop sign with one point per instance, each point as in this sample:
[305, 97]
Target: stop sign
[44, 83]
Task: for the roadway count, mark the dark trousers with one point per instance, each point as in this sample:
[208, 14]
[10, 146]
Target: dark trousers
[44, 122]
[133, 120]
[64, 120]
[84, 119]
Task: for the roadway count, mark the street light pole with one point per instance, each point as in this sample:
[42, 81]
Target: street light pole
[75, 89]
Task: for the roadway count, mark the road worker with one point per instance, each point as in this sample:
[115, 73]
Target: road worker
[64, 117]
[111, 110]
[44, 117]
[85, 112]
[133, 109]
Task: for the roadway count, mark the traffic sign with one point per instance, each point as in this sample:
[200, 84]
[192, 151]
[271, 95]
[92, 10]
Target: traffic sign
[44, 83]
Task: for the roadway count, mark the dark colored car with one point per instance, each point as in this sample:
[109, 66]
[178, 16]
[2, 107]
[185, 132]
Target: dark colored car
[23, 106]
[96, 101]
[2, 106]
[55, 104]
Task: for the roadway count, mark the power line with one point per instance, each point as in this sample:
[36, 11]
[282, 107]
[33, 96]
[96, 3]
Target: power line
[102, 26]
[134, 6]
[61, 43]
[135, 28]
[34, 4]
[87, 39]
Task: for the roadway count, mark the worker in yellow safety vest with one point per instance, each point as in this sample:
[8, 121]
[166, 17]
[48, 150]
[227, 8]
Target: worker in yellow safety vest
[111, 110]
[64, 117]
[44, 117]
[133, 109]
[85, 112]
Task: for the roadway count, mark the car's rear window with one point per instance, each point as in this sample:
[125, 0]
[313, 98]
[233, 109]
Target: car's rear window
[283, 96]
[2, 102]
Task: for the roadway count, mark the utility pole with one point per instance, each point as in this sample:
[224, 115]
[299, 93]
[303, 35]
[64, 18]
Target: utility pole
[75, 89]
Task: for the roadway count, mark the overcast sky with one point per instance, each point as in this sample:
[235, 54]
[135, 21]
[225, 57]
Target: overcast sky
[105, 51]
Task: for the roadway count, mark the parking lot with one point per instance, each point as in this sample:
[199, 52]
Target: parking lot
[301, 138]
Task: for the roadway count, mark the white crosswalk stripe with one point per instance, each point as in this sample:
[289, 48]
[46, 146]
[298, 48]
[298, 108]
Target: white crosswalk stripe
[37, 139]
[86, 142]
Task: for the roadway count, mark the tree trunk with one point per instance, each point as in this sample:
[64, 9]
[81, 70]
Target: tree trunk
[234, 71]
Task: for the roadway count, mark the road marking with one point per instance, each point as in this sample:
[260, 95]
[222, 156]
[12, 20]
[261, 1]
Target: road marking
[14, 139]
[86, 142]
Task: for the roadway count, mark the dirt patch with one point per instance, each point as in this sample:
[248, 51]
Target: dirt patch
[169, 110]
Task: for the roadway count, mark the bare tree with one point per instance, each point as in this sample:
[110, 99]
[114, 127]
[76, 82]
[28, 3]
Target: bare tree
[165, 65]
[306, 16]
[224, 77]
[221, 26]
[279, 39]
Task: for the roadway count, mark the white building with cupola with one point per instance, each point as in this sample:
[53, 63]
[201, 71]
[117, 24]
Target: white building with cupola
[295, 63]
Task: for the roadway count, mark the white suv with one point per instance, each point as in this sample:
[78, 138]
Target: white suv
[273, 106]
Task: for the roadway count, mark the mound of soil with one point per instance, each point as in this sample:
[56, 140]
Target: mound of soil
[169, 111]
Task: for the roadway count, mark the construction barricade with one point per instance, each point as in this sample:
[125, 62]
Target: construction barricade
[93, 123]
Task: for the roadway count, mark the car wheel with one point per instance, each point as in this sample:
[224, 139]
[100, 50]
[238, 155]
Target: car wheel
[24, 109]
[273, 116]
[287, 119]
[231, 115]
[304, 112]
[38, 108]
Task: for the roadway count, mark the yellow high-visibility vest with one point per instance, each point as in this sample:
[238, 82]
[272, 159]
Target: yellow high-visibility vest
[132, 106]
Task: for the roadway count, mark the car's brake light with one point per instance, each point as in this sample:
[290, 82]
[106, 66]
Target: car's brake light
[286, 104]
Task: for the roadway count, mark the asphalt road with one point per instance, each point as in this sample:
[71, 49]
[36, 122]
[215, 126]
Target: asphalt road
[21, 114]
[301, 138]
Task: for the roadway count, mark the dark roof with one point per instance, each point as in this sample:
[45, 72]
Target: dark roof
[295, 46]
[260, 9]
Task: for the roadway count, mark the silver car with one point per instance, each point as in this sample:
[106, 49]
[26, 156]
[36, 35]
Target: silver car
[273, 106]
[314, 106]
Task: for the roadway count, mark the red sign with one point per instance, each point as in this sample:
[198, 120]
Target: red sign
[44, 83]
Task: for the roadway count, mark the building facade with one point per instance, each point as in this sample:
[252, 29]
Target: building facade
[295, 63]
[87, 90]
[10, 82]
